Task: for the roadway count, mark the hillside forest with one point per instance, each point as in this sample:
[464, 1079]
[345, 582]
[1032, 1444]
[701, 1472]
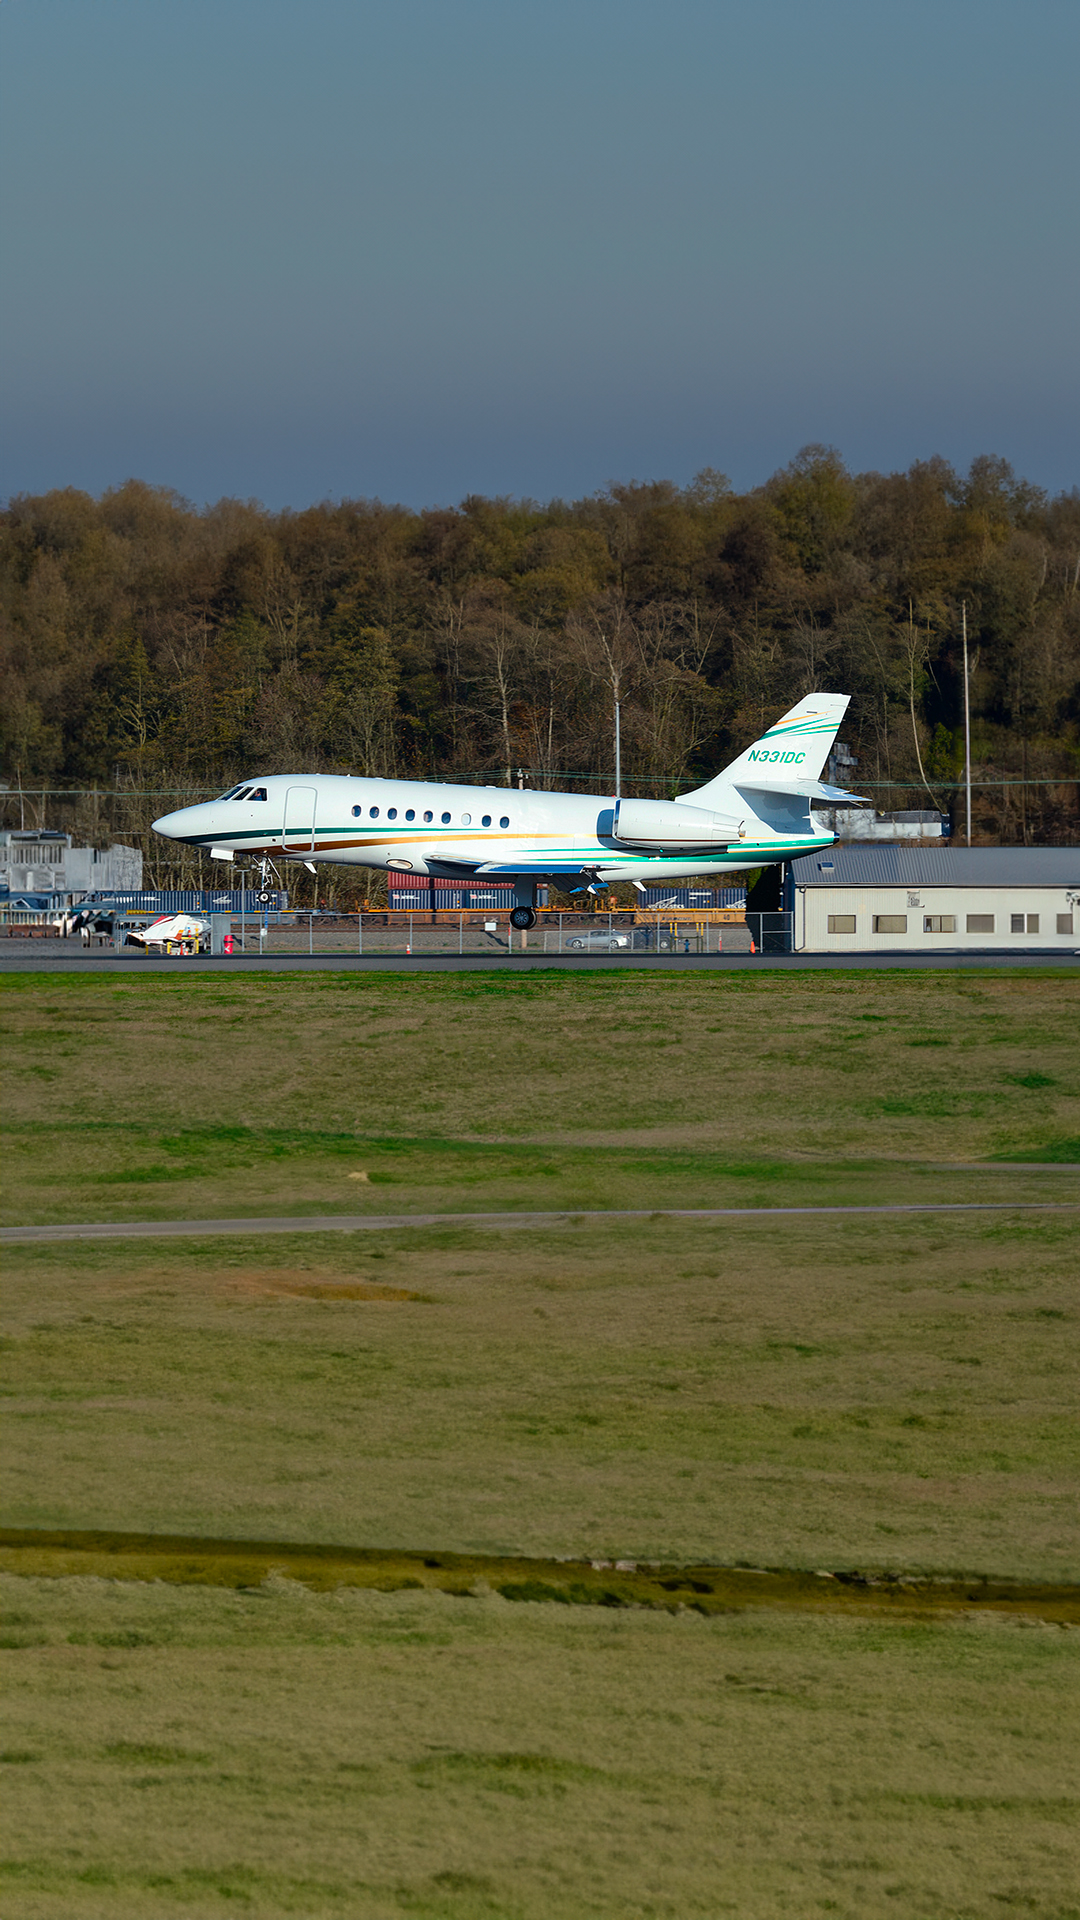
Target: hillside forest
[152, 650]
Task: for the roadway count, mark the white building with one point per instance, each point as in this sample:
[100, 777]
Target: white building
[890, 899]
[47, 862]
[863, 823]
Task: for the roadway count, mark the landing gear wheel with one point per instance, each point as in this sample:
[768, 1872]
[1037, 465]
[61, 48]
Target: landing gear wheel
[523, 917]
[264, 897]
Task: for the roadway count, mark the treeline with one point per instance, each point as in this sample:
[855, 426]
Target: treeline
[153, 648]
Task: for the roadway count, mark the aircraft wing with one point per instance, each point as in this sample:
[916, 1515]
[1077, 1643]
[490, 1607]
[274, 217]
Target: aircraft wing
[490, 869]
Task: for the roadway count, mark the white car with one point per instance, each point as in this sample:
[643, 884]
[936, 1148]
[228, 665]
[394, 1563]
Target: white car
[607, 942]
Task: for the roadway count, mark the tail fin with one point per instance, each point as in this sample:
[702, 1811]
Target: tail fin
[794, 748]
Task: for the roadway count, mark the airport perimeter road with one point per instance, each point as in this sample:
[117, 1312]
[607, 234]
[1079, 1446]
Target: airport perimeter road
[499, 1222]
[33, 956]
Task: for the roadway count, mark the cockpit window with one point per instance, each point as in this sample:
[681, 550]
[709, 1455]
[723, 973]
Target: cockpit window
[233, 794]
[241, 793]
[257, 793]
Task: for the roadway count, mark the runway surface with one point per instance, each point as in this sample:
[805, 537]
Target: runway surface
[499, 1222]
[31, 959]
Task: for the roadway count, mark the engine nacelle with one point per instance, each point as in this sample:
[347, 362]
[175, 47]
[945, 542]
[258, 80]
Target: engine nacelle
[667, 824]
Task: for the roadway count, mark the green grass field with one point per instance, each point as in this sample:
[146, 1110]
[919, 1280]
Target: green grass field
[892, 1392]
[182, 1750]
[786, 1392]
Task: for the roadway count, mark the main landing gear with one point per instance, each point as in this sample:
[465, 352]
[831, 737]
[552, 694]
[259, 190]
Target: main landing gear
[524, 915]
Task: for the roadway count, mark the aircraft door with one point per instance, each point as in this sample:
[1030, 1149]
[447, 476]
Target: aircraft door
[298, 825]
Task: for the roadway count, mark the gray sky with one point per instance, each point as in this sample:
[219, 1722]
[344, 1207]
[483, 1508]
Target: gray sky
[295, 249]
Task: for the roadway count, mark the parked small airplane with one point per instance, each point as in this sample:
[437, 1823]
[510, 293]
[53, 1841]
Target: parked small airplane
[169, 930]
[757, 811]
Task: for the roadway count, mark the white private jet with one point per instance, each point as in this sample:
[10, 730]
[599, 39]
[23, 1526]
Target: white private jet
[757, 811]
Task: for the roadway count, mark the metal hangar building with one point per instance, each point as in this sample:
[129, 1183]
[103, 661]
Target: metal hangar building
[862, 899]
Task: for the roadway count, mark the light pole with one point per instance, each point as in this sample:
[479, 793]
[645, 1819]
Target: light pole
[967, 723]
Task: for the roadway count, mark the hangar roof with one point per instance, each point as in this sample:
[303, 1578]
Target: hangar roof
[900, 866]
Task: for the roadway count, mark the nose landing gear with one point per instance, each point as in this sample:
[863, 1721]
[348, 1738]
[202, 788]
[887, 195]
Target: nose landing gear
[264, 896]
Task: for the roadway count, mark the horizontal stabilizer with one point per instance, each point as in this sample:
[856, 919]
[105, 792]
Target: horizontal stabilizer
[806, 789]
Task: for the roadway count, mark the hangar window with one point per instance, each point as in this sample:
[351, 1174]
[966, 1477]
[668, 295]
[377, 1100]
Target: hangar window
[980, 923]
[890, 923]
[1064, 923]
[841, 923]
[939, 923]
[1016, 923]
[1033, 923]
[486, 821]
[505, 821]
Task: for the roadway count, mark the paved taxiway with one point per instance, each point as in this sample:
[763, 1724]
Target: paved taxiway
[29, 957]
[500, 1222]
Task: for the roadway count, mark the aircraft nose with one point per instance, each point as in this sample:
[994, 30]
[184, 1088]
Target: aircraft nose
[169, 825]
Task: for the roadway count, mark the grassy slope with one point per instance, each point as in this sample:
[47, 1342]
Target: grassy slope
[164, 1098]
[788, 1392]
[381, 1755]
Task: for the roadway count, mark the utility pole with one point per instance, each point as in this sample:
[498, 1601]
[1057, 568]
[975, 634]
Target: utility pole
[618, 751]
[967, 723]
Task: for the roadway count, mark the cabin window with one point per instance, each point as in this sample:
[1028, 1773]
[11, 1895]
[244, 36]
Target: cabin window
[356, 812]
[841, 923]
[391, 813]
[446, 819]
[429, 817]
[486, 821]
[980, 923]
[374, 812]
[505, 821]
[466, 819]
[410, 814]
[1064, 923]
[890, 923]
[939, 923]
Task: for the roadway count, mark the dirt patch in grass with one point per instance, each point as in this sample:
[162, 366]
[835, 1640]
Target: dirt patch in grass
[303, 1285]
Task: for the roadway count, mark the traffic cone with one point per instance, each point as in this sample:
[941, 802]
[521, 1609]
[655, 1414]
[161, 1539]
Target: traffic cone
[753, 949]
